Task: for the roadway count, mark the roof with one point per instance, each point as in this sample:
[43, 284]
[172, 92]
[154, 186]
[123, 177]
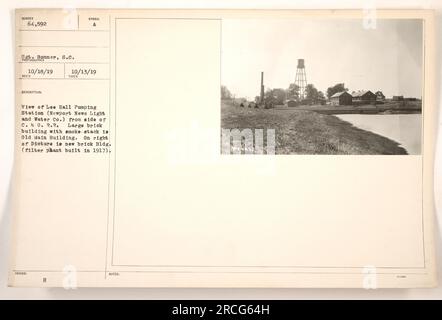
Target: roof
[360, 93]
[338, 94]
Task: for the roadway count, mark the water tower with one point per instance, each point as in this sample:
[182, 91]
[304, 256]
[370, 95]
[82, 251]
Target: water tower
[301, 78]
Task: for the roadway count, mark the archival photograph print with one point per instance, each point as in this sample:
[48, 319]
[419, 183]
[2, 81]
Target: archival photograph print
[312, 86]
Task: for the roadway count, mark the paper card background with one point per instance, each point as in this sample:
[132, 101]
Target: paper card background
[6, 163]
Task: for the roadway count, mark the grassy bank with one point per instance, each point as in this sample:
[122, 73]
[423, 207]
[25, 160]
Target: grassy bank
[308, 132]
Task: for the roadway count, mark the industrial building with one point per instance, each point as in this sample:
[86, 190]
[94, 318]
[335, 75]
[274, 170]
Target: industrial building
[363, 97]
[342, 98]
[380, 96]
[291, 103]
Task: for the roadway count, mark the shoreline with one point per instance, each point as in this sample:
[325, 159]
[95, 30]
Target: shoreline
[404, 129]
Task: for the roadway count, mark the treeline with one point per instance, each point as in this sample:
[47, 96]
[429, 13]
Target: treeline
[279, 95]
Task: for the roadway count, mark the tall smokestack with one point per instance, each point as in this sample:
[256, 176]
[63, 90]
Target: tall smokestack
[262, 88]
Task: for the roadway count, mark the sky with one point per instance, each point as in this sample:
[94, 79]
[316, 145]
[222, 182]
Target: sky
[388, 58]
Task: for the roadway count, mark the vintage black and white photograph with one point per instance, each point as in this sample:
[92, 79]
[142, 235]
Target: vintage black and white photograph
[321, 86]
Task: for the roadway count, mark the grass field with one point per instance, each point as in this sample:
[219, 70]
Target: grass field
[308, 132]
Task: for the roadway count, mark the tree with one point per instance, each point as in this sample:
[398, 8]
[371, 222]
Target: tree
[293, 91]
[279, 95]
[275, 96]
[339, 87]
[225, 93]
[311, 93]
[268, 96]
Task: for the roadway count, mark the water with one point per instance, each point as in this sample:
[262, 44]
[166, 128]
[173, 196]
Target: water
[402, 128]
